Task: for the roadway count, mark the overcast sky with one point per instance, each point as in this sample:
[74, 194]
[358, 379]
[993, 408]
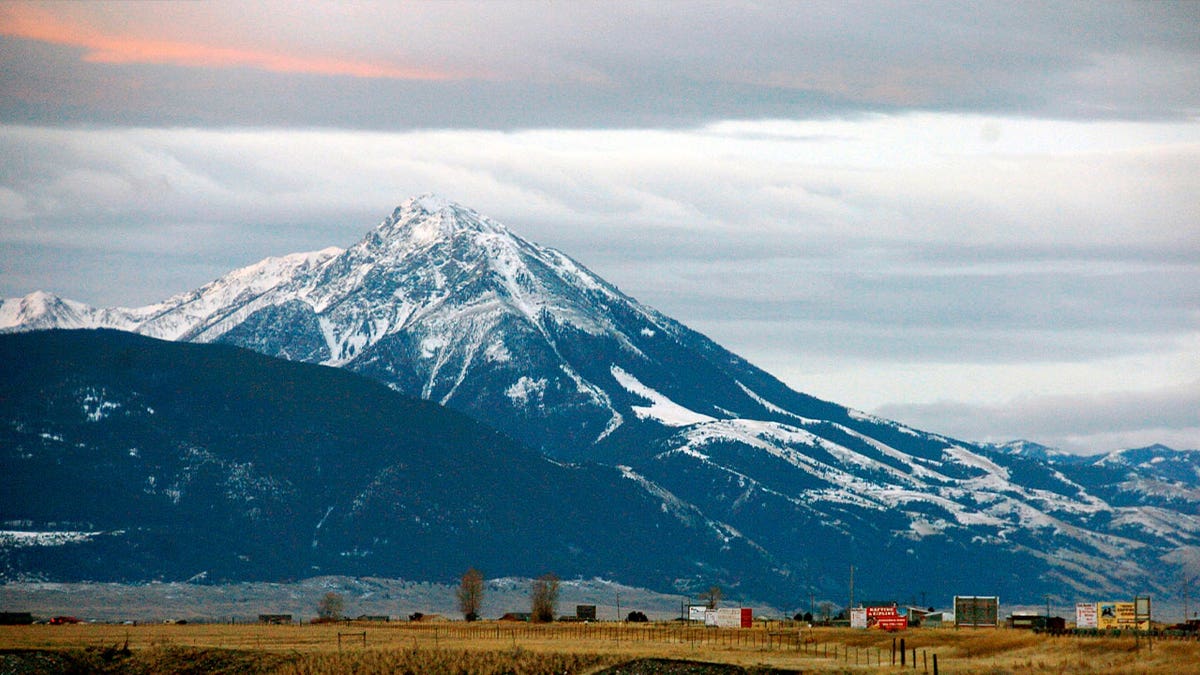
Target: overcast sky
[979, 219]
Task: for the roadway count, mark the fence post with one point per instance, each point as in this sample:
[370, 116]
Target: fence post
[935, 672]
[903, 652]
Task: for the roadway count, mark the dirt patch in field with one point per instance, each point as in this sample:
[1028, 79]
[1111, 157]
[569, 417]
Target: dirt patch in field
[672, 667]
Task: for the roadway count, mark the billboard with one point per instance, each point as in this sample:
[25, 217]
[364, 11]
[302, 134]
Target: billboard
[1120, 616]
[585, 612]
[1085, 615]
[729, 617]
[976, 611]
[887, 618]
[732, 617]
[858, 617]
[1141, 607]
[697, 612]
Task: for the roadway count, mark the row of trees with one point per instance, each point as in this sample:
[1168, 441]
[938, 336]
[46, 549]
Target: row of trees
[543, 598]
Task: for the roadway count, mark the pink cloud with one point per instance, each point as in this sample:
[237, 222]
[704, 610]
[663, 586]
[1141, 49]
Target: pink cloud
[41, 24]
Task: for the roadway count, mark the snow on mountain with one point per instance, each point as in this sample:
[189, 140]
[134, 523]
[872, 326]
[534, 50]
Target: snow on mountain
[187, 316]
[443, 303]
[661, 408]
[46, 310]
[1027, 449]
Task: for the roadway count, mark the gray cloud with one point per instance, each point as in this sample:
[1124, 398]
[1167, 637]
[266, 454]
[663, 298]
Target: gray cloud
[1085, 422]
[619, 64]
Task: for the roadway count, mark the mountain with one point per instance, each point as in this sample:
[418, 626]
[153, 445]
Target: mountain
[1029, 449]
[127, 458]
[445, 304]
[1154, 476]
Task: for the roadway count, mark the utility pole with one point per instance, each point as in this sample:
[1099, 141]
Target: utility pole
[851, 591]
[1187, 593]
[618, 605]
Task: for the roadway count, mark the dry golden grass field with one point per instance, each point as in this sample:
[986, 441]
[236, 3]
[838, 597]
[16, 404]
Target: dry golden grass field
[495, 647]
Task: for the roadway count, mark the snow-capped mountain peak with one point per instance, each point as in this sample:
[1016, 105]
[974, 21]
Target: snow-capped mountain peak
[441, 302]
[430, 203]
[37, 308]
[430, 219]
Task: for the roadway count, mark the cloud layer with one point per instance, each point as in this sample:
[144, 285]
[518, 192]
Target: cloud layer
[610, 64]
[964, 216]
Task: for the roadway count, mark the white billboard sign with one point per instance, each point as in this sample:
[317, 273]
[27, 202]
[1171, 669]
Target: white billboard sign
[1085, 615]
[729, 617]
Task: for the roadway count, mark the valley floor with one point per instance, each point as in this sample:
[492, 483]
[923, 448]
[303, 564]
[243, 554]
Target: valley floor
[496, 647]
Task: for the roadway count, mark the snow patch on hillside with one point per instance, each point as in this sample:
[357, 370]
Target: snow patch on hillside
[525, 390]
[97, 405]
[771, 406]
[10, 539]
[661, 408]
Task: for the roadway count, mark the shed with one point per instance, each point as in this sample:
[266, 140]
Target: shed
[15, 618]
[276, 619]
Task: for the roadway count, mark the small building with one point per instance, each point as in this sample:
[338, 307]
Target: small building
[1037, 622]
[275, 619]
[916, 615]
[1025, 621]
[1056, 625]
[15, 618]
[374, 617]
[937, 620]
[517, 616]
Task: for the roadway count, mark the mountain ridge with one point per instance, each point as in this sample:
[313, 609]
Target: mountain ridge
[128, 458]
[445, 304]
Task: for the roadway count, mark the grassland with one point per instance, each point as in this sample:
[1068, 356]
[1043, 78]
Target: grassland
[494, 647]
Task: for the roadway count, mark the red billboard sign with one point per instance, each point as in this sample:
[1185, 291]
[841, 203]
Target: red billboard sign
[887, 618]
[892, 622]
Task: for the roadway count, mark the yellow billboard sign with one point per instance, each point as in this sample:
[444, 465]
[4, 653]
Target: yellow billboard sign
[1118, 616]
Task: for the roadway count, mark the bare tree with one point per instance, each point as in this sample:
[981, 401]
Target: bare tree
[712, 597]
[331, 606]
[544, 598]
[470, 594]
[826, 608]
